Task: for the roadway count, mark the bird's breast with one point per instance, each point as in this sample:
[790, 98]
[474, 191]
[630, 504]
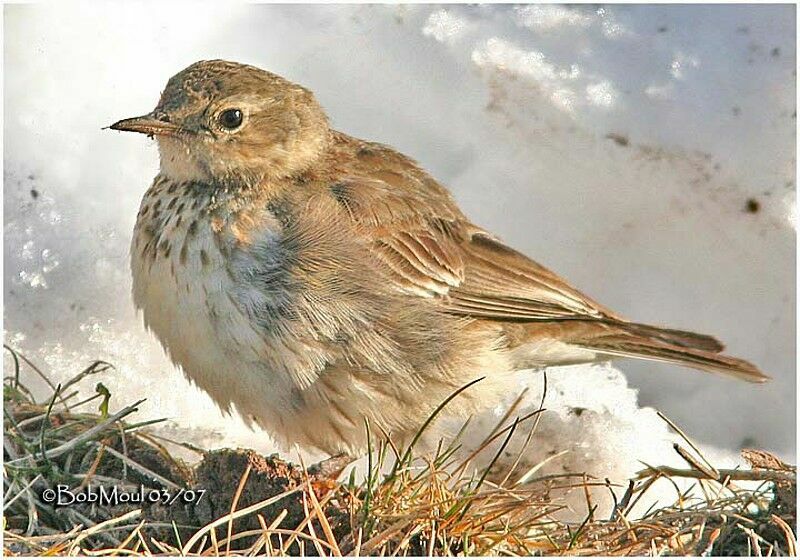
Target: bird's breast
[189, 263]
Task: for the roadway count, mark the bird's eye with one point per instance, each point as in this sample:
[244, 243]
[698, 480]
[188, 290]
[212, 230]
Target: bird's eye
[230, 118]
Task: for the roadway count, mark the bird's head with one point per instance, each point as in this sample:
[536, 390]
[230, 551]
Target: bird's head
[223, 121]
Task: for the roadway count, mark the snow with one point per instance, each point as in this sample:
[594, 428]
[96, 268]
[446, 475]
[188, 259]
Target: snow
[592, 423]
[618, 146]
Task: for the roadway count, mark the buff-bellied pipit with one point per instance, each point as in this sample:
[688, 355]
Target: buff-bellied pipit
[314, 280]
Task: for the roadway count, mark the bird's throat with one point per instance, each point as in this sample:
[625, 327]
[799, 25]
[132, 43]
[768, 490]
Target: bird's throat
[179, 163]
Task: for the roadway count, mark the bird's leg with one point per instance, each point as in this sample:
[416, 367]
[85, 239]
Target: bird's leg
[331, 467]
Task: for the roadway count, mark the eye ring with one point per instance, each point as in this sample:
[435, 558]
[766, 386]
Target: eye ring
[230, 119]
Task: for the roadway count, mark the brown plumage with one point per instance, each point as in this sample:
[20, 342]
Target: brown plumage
[312, 279]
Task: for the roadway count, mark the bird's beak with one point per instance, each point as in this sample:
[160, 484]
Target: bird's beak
[148, 124]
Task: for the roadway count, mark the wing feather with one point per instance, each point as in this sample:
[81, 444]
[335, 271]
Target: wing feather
[411, 224]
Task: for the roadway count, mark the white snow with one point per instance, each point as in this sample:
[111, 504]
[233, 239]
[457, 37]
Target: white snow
[444, 27]
[551, 17]
[618, 146]
[601, 94]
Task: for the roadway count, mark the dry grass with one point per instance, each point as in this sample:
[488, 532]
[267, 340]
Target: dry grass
[425, 505]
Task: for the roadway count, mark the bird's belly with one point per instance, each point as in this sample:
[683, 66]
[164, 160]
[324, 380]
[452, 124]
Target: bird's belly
[187, 299]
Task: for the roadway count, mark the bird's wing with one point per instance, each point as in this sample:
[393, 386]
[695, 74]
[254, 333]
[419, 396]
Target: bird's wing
[501, 283]
[431, 250]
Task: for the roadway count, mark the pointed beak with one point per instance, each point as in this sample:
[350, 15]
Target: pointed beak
[148, 124]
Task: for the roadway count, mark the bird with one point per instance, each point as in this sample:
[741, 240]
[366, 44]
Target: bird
[318, 283]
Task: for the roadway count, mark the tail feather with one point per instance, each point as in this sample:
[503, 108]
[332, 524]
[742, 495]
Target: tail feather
[686, 339]
[688, 349]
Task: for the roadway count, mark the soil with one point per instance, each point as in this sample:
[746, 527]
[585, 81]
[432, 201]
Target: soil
[219, 474]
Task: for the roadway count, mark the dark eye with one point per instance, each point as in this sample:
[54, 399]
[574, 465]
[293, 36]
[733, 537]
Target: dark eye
[230, 118]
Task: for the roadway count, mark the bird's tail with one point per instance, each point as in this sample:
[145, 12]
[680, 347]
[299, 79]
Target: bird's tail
[633, 340]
